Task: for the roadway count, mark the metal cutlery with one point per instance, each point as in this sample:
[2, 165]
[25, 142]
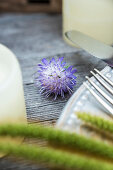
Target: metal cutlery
[92, 46]
[102, 96]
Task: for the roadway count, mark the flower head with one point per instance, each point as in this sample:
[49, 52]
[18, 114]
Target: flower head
[55, 77]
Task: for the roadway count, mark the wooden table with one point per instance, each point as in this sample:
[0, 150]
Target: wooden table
[32, 37]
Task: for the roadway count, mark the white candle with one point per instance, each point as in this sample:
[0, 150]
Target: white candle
[2, 73]
[12, 104]
[92, 17]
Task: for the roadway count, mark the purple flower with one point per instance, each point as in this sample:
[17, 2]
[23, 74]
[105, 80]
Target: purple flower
[55, 77]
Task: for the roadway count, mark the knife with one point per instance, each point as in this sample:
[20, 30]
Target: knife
[91, 45]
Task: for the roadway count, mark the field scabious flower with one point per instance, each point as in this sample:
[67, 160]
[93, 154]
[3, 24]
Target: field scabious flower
[55, 77]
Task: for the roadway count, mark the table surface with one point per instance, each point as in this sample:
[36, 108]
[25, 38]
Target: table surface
[32, 37]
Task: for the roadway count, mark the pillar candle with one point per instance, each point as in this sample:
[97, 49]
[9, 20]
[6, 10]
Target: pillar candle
[92, 17]
[12, 104]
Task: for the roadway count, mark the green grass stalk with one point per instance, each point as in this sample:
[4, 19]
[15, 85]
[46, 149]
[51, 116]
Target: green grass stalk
[60, 139]
[97, 121]
[54, 158]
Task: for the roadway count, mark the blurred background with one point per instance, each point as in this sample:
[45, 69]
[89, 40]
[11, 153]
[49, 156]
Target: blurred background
[31, 6]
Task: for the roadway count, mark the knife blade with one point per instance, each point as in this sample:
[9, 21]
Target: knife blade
[91, 45]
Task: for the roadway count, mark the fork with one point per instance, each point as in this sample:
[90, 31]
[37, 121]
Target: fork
[100, 77]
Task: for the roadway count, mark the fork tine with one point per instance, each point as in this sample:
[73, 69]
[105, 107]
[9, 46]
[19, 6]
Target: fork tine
[104, 77]
[105, 85]
[98, 98]
[109, 99]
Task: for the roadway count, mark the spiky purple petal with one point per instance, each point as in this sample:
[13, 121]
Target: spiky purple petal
[55, 78]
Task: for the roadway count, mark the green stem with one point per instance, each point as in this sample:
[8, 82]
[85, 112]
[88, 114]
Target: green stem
[59, 138]
[55, 159]
[99, 122]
